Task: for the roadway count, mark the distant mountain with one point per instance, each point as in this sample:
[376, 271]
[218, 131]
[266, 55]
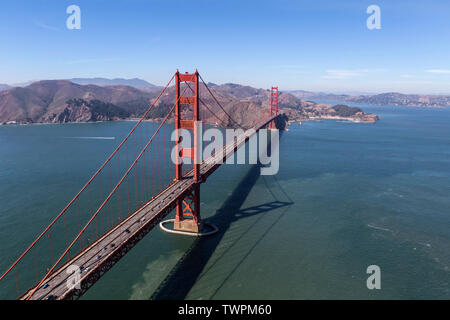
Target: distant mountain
[390, 98]
[23, 84]
[302, 94]
[135, 82]
[4, 87]
[239, 91]
[103, 82]
[399, 99]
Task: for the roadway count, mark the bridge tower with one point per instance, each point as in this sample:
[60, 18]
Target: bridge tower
[273, 106]
[188, 208]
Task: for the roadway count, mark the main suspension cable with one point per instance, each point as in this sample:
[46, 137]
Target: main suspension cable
[218, 103]
[216, 116]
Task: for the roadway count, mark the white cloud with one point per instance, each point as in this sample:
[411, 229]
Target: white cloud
[45, 26]
[349, 73]
[439, 71]
[80, 61]
[345, 74]
[291, 69]
[291, 66]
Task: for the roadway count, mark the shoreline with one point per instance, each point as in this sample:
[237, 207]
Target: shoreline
[288, 122]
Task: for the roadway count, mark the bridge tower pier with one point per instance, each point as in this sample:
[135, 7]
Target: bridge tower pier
[273, 106]
[188, 208]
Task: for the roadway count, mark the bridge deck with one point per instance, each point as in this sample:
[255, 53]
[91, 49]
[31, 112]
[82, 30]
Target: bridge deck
[101, 255]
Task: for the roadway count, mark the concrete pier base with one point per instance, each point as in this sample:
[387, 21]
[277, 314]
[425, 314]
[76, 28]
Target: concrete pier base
[206, 229]
[187, 225]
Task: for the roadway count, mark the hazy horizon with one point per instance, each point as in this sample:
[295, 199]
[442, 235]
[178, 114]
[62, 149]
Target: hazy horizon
[345, 92]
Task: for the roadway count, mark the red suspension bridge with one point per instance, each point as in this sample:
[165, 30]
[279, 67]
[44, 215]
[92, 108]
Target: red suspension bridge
[133, 190]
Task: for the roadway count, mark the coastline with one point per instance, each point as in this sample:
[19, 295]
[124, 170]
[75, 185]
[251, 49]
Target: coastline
[288, 122]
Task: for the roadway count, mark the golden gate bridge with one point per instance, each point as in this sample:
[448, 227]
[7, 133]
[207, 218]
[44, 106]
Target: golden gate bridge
[133, 190]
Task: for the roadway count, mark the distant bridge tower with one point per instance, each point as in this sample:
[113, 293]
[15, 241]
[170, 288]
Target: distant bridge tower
[189, 206]
[273, 106]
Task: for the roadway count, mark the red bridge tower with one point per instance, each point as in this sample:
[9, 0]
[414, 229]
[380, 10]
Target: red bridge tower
[273, 106]
[189, 206]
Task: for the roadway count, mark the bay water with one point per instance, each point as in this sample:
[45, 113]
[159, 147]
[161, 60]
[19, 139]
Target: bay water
[347, 196]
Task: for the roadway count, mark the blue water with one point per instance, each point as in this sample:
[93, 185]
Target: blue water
[348, 195]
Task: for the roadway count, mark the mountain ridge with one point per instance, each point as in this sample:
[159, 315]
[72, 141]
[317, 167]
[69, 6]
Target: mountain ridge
[4, 87]
[60, 101]
[99, 81]
[245, 91]
[387, 98]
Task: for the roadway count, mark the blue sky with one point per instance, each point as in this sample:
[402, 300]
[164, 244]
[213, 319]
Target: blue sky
[311, 45]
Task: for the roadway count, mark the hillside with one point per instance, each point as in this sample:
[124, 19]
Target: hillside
[103, 82]
[59, 101]
[45, 101]
[4, 87]
[398, 99]
[383, 99]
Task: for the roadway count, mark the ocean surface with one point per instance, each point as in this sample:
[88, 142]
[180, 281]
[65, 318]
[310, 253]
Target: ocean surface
[347, 196]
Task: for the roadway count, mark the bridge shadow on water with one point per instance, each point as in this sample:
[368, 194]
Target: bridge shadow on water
[189, 268]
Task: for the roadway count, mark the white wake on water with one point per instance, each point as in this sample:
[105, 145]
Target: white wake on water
[93, 138]
[379, 228]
